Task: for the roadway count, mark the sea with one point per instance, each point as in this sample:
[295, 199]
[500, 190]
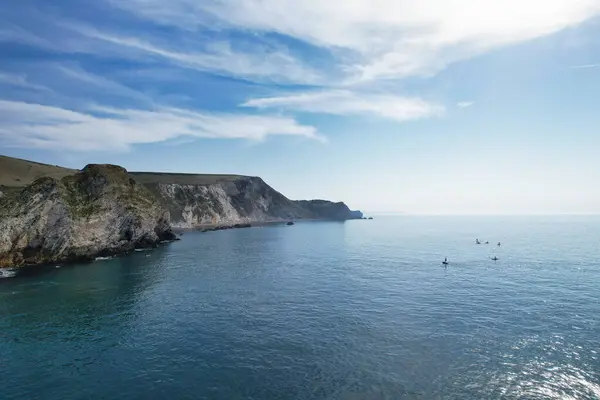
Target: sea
[319, 310]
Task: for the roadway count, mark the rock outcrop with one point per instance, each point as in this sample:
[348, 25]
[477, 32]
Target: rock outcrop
[324, 209]
[96, 212]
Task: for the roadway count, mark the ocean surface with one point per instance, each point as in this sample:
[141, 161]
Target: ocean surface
[348, 311]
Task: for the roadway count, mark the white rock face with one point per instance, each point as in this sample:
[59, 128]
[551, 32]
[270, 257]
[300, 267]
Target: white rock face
[246, 200]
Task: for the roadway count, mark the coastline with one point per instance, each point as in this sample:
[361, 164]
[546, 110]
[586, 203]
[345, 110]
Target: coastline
[179, 232]
[55, 215]
[88, 259]
[254, 224]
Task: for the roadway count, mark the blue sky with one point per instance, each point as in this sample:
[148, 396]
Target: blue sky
[409, 106]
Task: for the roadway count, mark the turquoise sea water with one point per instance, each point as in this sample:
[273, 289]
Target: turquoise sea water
[355, 310]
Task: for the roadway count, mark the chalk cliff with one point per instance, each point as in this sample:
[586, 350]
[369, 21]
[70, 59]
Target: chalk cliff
[233, 199]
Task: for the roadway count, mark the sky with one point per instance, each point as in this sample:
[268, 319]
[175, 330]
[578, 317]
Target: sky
[392, 106]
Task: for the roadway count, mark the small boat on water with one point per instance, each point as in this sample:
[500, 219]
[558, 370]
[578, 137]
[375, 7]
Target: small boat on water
[445, 262]
[290, 223]
[494, 258]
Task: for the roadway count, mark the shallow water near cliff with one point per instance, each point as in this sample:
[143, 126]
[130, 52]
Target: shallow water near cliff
[355, 310]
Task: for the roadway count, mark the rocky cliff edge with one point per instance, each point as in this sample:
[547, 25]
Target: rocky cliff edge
[98, 211]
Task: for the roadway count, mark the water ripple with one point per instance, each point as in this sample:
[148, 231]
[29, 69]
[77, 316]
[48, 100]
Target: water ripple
[361, 310]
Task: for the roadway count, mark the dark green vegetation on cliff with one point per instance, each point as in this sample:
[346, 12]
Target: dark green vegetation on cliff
[149, 178]
[329, 210]
[51, 214]
[15, 172]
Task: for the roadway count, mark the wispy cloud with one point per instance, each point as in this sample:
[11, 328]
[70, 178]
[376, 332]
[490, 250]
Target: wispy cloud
[102, 128]
[344, 102]
[585, 66]
[389, 38]
[365, 41]
[79, 76]
[19, 80]
[348, 54]
[10, 32]
[464, 104]
[262, 63]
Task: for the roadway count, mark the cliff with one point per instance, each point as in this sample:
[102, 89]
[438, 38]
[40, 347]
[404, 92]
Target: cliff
[98, 211]
[52, 214]
[324, 209]
[196, 200]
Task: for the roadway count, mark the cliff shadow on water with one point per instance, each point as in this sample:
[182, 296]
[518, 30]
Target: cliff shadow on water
[82, 309]
[95, 284]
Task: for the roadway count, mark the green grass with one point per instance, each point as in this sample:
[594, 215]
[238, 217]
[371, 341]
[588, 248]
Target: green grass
[146, 178]
[15, 172]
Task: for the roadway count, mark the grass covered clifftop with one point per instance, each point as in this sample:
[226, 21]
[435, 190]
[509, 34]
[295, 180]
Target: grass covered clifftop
[84, 191]
[147, 178]
[15, 172]
[325, 209]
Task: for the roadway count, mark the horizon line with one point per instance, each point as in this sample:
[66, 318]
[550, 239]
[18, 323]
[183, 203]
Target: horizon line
[404, 214]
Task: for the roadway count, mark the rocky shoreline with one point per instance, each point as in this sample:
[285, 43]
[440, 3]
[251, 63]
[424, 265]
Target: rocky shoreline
[225, 227]
[87, 259]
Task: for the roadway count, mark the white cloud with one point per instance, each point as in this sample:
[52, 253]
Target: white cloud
[19, 80]
[585, 66]
[47, 127]
[343, 102]
[77, 76]
[262, 63]
[389, 38]
[464, 104]
[13, 33]
[361, 43]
